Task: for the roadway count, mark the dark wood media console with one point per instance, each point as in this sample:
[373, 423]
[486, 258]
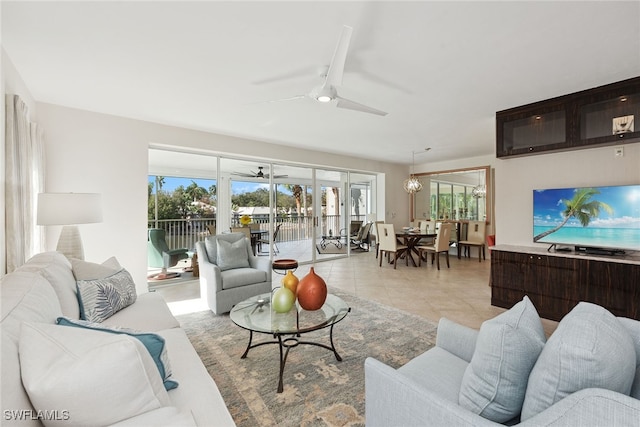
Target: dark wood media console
[556, 282]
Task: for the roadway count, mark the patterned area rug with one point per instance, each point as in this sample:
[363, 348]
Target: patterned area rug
[318, 389]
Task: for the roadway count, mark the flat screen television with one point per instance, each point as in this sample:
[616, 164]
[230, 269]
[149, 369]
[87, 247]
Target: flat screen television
[592, 219]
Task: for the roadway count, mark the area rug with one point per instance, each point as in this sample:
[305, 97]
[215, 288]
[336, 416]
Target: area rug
[318, 389]
[330, 248]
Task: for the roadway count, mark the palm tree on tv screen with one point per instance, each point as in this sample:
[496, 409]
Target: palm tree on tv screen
[580, 207]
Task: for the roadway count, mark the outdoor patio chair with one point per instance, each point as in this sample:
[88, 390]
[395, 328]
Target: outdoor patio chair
[158, 253]
[361, 241]
[275, 236]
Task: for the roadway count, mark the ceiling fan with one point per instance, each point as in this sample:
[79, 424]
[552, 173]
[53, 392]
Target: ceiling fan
[328, 92]
[259, 174]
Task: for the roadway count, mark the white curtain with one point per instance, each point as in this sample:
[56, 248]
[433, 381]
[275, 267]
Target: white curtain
[24, 168]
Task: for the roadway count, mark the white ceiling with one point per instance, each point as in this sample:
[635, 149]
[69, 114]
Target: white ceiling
[440, 69]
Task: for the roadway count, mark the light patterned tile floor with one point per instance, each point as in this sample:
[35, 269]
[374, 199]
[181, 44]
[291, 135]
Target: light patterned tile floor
[460, 293]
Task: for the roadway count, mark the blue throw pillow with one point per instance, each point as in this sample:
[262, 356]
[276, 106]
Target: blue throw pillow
[154, 344]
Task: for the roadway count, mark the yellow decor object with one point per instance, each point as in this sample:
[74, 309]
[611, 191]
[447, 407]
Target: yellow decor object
[245, 220]
[290, 281]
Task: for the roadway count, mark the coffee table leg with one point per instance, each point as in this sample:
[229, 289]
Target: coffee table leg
[248, 346]
[283, 359]
[333, 347]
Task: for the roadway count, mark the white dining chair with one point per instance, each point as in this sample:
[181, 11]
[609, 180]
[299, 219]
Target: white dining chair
[440, 246]
[389, 244]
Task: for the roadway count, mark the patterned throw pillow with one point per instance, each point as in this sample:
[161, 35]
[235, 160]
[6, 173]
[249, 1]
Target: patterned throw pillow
[154, 344]
[101, 298]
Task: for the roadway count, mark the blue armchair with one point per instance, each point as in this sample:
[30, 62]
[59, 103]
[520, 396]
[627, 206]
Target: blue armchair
[158, 253]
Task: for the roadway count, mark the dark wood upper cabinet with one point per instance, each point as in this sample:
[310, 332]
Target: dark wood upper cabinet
[594, 117]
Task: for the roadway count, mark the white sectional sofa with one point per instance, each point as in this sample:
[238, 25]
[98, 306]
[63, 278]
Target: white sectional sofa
[92, 377]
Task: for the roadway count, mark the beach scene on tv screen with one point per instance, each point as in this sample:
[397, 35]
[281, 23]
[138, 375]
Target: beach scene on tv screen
[606, 217]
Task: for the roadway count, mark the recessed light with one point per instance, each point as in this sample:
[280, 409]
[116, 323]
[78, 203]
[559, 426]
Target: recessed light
[623, 99]
[538, 117]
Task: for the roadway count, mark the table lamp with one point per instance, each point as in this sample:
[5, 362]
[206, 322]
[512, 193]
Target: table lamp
[68, 210]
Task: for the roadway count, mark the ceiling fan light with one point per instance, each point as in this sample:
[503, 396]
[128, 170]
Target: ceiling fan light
[323, 98]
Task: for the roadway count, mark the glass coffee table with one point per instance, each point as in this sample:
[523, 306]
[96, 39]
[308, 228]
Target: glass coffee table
[256, 315]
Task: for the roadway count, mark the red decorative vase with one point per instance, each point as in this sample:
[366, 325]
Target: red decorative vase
[311, 291]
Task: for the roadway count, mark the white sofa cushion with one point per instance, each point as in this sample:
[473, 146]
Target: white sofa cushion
[101, 298]
[85, 270]
[197, 392]
[56, 268]
[168, 416]
[589, 348]
[98, 378]
[26, 297]
[154, 344]
[149, 313]
[495, 382]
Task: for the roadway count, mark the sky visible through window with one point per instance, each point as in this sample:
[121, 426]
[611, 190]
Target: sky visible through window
[237, 187]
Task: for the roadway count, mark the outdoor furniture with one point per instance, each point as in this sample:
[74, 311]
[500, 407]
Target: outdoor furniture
[275, 235]
[361, 240]
[158, 253]
[230, 272]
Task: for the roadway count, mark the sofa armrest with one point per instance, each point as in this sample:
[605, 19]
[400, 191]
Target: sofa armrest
[393, 399]
[591, 406]
[457, 339]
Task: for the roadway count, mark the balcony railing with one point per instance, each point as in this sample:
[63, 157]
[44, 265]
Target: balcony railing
[184, 233]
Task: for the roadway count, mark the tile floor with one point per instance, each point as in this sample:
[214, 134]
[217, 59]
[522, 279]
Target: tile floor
[460, 293]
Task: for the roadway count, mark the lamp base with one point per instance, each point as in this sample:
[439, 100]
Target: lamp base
[70, 243]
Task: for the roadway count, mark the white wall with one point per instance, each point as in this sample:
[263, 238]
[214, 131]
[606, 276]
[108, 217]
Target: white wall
[91, 152]
[515, 180]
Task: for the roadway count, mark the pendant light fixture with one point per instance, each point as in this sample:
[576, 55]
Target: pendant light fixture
[480, 190]
[413, 184]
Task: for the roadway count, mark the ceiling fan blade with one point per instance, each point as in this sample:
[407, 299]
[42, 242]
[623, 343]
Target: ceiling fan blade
[352, 105]
[336, 68]
[291, 98]
[246, 175]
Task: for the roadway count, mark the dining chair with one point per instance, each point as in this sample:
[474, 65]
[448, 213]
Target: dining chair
[212, 229]
[389, 244]
[475, 238]
[374, 235]
[245, 230]
[440, 246]
[424, 226]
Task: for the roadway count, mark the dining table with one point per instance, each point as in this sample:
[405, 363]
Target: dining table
[411, 239]
[256, 236]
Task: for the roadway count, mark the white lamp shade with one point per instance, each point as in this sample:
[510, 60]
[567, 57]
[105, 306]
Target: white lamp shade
[69, 208]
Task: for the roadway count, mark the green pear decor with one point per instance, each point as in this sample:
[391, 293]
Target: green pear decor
[282, 300]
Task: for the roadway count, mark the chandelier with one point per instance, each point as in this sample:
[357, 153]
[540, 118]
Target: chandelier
[413, 185]
[479, 191]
